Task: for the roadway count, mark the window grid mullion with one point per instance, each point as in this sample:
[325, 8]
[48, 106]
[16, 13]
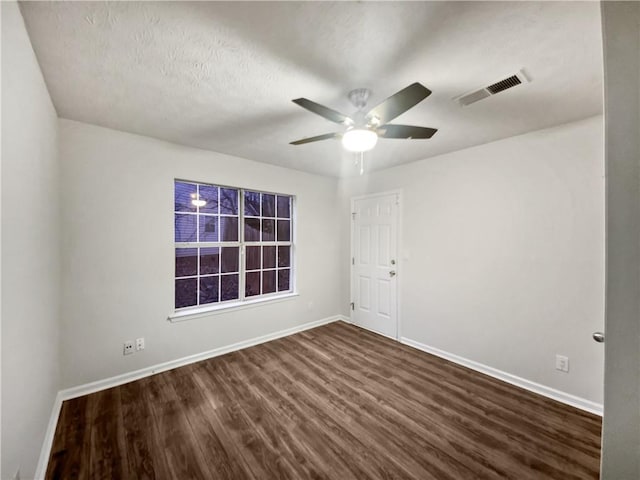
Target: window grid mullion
[242, 250]
[268, 244]
[198, 249]
[206, 244]
[261, 271]
[219, 195]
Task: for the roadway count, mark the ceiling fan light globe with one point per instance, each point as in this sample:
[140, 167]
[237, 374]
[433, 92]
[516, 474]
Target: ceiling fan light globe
[359, 140]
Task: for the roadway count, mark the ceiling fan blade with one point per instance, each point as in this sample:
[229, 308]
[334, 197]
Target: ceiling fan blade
[405, 131]
[399, 103]
[326, 136]
[323, 111]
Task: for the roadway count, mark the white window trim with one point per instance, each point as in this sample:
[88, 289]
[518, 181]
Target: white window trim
[225, 307]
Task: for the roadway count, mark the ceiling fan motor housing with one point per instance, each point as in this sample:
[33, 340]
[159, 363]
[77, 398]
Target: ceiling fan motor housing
[359, 97]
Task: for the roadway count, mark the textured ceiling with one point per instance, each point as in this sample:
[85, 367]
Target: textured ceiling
[221, 76]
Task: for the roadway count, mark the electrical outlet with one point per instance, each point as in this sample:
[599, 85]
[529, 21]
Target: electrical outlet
[562, 363]
[140, 343]
[128, 348]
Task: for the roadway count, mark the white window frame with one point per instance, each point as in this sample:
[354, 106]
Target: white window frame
[242, 301]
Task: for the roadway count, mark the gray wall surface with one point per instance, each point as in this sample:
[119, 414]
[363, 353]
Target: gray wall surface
[30, 251]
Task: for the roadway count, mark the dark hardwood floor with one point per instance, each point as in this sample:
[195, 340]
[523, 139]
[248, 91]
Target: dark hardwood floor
[335, 402]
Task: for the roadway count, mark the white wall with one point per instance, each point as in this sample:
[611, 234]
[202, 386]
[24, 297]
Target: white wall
[503, 252]
[621, 427]
[30, 250]
[118, 250]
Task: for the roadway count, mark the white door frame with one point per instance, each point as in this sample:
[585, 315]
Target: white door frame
[400, 255]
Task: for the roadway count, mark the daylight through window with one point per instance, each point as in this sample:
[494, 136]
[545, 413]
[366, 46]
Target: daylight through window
[231, 244]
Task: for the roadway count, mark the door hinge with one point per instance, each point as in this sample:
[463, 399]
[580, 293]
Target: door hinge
[353, 260]
[353, 306]
[353, 215]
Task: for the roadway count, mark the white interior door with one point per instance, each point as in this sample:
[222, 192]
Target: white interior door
[374, 263]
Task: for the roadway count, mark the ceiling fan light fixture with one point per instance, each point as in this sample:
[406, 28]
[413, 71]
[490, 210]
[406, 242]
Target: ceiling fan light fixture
[359, 140]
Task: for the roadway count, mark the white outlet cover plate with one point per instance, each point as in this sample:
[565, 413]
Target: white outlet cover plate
[562, 363]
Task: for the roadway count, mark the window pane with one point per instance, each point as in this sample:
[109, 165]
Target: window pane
[268, 230]
[185, 226]
[284, 234]
[268, 257]
[209, 289]
[183, 194]
[284, 256]
[283, 280]
[252, 284]
[229, 287]
[208, 228]
[229, 201]
[252, 204]
[186, 262]
[253, 258]
[209, 260]
[229, 229]
[251, 229]
[209, 194]
[186, 292]
[230, 259]
[284, 209]
[268, 205]
[269, 281]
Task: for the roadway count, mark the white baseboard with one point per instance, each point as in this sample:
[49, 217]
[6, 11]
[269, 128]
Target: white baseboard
[45, 451]
[121, 379]
[549, 392]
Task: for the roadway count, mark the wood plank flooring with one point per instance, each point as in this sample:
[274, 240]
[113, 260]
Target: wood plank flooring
[335, 402]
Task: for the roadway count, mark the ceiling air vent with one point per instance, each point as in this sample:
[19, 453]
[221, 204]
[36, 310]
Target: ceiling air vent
[500, 86]
[512, 81]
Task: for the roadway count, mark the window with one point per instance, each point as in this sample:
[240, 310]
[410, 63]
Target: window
[231, 245]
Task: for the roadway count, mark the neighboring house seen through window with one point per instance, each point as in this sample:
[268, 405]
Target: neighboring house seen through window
[231, 244]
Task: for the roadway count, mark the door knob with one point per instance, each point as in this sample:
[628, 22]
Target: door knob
[598, 337]
[392, 273]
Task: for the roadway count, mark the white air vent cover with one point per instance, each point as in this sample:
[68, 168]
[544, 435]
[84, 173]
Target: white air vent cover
[500, 86]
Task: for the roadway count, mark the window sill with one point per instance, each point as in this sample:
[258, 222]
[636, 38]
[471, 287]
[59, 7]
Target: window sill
[225, 308]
